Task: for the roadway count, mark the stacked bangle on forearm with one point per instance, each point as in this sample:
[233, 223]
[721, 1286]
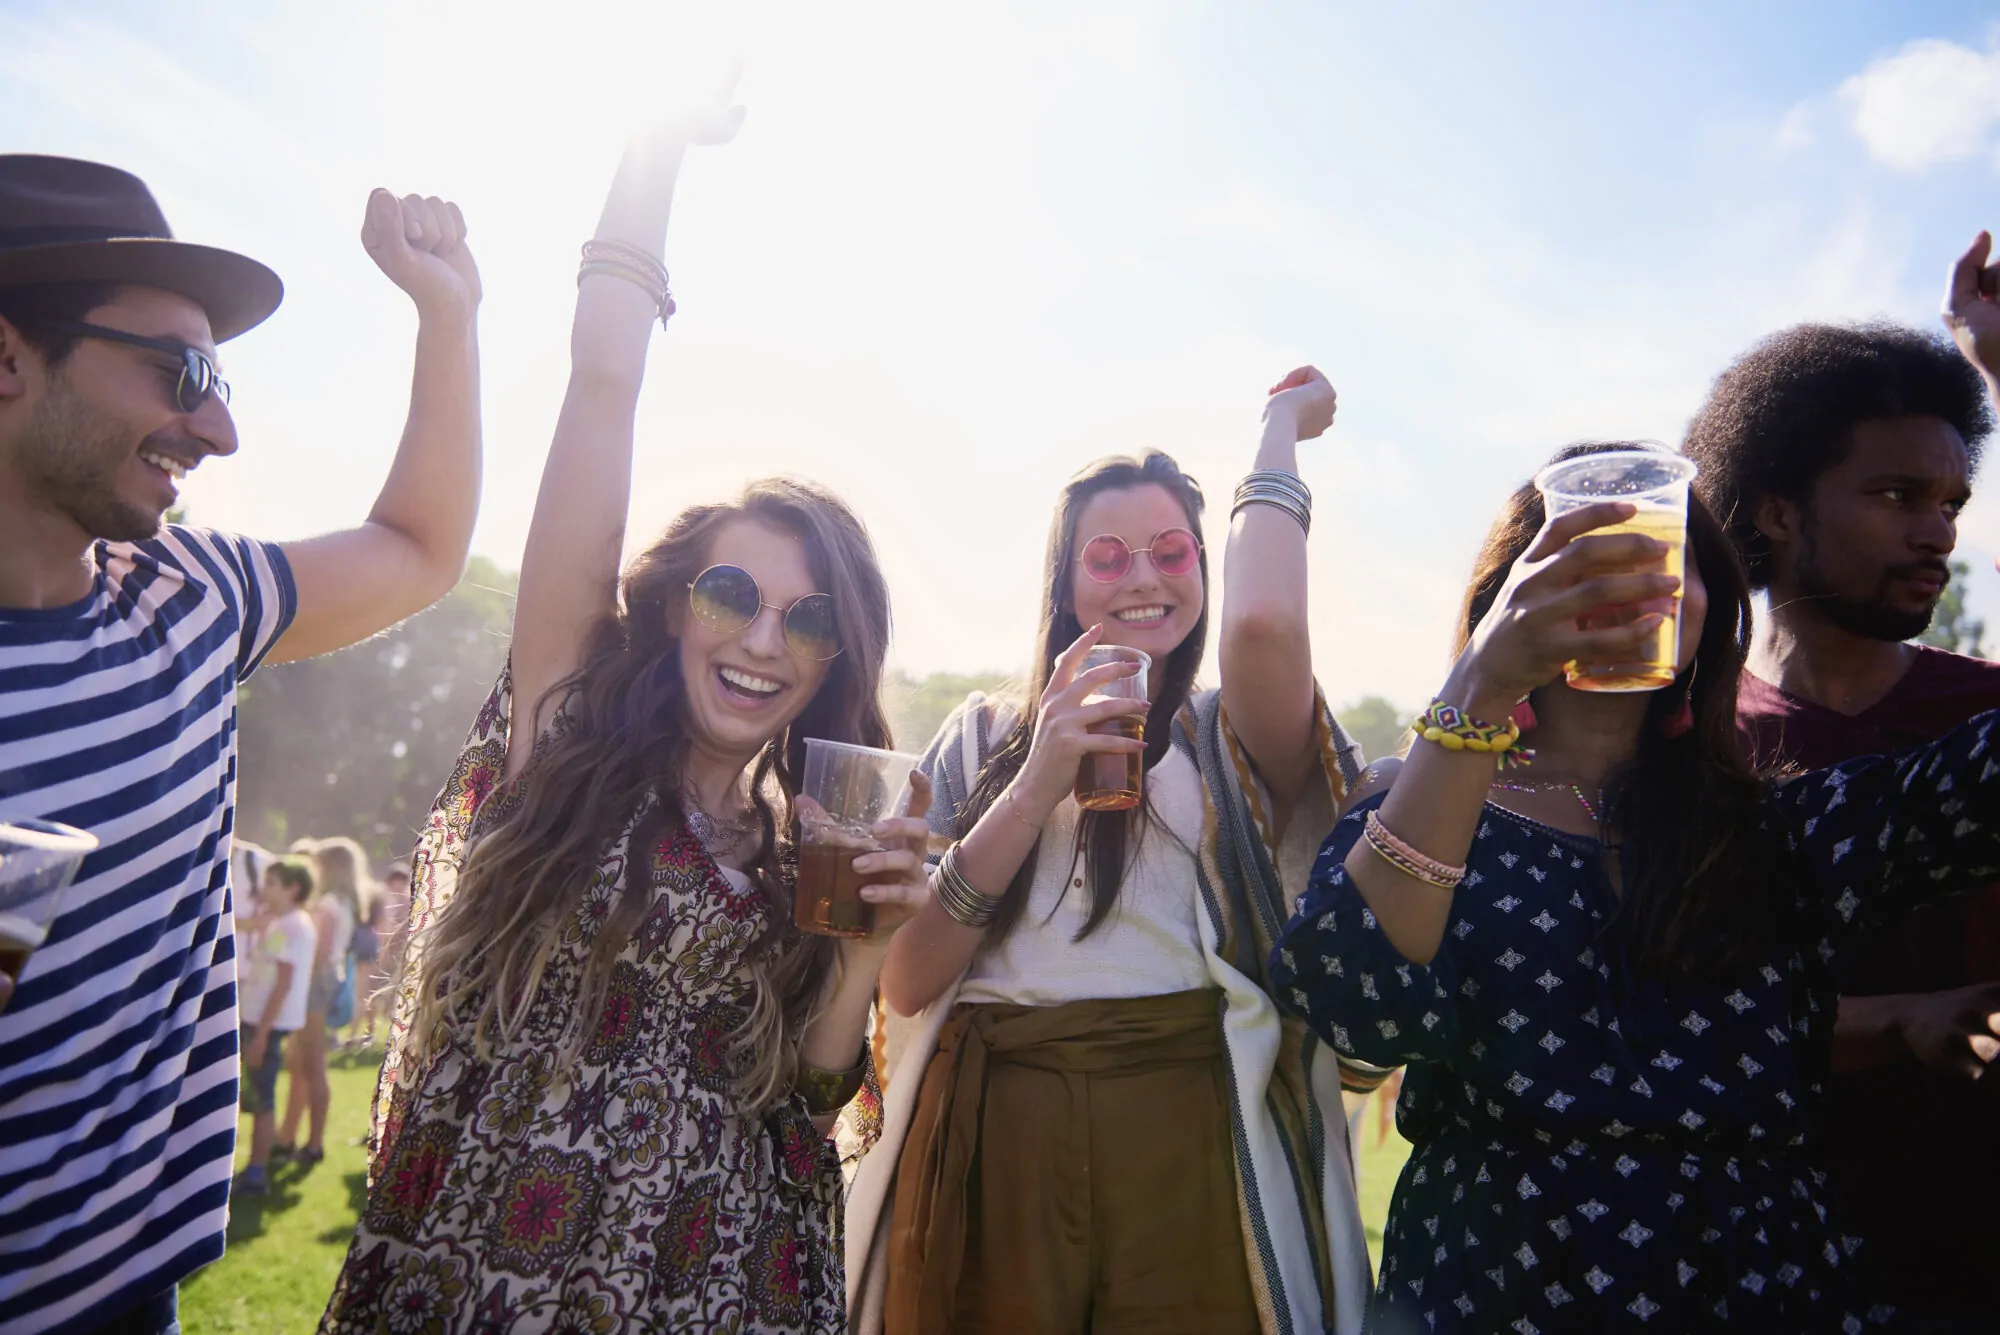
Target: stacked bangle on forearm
[1275, 487]
[1407, 859]
[955, 895]
[616, 259]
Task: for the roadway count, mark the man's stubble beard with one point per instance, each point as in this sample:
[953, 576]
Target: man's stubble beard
[70, 459]
[1871, 617]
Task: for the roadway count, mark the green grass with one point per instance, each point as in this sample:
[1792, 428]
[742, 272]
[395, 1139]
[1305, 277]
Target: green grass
[1379, 1166]
[286, 1249]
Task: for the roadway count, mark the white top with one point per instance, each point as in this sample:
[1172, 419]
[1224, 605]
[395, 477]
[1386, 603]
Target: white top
[342, 927]
[1151, 943]
[290, 940]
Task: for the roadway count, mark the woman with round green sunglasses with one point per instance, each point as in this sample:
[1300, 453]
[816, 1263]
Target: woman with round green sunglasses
[600, 938]
[726, 599]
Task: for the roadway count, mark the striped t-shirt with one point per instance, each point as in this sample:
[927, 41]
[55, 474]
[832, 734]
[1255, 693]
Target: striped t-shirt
[118, 1052]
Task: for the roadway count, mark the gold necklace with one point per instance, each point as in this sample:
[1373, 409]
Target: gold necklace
[1552, 785]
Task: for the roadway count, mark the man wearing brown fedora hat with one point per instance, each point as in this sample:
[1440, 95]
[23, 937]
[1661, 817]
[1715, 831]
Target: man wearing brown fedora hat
[122, 642]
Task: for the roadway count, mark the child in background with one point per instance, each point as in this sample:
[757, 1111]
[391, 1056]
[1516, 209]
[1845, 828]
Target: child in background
[277, 967]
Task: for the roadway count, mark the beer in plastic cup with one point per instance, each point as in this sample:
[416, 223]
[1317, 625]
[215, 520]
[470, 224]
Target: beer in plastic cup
[1112, 781]
[847, 789]
[38, 859]
[1655, 482]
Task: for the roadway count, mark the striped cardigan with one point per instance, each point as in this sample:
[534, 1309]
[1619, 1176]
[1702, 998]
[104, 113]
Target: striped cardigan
[1302, 1232]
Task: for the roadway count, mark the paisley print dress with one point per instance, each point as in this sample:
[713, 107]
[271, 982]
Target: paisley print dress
[1600, 1150]
[629, 1194]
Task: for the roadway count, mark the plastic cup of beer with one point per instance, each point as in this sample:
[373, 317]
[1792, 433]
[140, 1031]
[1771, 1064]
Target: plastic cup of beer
[38, 860]
[846, 790]
[1656, 484]
[1113, 781]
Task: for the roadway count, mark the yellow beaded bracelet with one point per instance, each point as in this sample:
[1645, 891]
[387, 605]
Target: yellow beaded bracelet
[1452, 728]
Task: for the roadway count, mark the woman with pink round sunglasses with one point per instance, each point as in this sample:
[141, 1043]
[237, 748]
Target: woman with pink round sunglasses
[1099, 1119]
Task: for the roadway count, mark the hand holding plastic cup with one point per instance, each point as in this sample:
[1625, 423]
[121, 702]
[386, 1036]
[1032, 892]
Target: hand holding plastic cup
[1656, 483]
[1107, 781]
[846, 790]
[38, 860]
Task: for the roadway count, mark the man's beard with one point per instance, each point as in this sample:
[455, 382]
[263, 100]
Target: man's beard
[1871, 617]
[71, 457]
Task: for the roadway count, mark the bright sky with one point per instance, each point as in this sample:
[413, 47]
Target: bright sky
[955, 255]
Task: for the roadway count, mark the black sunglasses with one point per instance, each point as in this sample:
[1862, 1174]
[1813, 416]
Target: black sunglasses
[726, 599]
[199, 378]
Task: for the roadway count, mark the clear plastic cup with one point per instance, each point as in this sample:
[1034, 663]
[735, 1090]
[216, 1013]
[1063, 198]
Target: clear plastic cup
[1656, 482]
[38, 860]
[846, 790]
[1114, 781]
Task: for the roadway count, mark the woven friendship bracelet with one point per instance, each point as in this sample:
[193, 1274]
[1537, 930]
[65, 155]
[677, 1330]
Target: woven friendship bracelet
[1407, 859]
[1455, 730]
[956, 896]
[615, 259]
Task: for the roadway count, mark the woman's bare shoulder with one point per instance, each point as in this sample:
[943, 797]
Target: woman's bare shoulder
[1375, 780]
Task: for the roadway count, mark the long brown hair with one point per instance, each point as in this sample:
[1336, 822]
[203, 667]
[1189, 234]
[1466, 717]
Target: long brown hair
[1702, 888]
[1105, 834]
[618, 759]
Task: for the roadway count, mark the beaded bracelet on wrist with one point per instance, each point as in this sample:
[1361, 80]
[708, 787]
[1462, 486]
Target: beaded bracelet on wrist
[1455, 730]
[1408, 859]
[615, 259]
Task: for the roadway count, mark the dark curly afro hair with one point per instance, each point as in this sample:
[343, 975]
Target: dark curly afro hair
[1785, 411]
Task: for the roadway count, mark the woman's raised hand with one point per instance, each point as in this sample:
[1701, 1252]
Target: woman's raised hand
[1063, 735]
[905, 840]
[709, 123]
[1307, 397]
[642, 192]
[1568, 573]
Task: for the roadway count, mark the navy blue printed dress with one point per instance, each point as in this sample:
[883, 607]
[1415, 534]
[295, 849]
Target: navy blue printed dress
[1596, 1150]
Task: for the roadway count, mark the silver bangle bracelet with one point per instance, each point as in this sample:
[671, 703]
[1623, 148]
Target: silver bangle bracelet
[1276, 477]
[961, 902]
[1289, 504]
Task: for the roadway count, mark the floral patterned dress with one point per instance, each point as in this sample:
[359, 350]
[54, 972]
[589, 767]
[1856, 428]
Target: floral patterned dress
[1599, 1150]
[628, 1195]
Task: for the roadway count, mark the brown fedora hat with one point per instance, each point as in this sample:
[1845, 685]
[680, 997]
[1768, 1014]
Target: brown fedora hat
[67, 221]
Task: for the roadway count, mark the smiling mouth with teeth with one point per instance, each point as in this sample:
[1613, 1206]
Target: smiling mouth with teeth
[173, 468]
[739, 682]
[1153, 613]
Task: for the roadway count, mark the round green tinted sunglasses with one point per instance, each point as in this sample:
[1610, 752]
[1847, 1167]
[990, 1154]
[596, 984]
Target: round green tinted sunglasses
[726, 599]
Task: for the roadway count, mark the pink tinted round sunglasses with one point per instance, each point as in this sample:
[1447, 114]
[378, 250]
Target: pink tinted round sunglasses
[1107, 559]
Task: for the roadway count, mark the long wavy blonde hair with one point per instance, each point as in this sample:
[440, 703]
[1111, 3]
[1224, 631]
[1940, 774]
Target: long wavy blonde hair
[621, 754]
[343, 873]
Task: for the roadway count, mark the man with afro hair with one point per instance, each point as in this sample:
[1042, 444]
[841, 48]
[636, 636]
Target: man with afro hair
[1839, 458]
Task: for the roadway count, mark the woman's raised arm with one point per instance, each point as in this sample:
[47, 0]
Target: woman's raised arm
[569, 572]
[1267, 676]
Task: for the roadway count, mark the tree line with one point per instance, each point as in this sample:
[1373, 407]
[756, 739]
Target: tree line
[358, 742]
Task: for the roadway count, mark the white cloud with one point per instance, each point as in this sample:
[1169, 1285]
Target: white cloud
[1932, 102]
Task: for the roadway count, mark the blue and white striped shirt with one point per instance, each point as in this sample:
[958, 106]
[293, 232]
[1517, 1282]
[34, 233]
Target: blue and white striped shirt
[118, 1052]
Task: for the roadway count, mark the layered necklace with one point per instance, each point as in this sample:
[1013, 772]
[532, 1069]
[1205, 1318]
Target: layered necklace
[1590, 809]
[717, 836]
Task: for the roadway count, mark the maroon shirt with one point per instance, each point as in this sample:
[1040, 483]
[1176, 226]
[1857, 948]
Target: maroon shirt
[1914, 1153]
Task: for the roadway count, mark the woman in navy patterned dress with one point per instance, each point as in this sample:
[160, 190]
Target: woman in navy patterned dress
[1617, 1025]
